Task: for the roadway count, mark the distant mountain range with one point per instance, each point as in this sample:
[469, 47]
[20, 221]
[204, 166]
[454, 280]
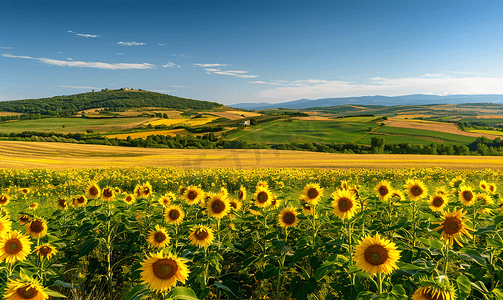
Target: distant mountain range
[375, 100]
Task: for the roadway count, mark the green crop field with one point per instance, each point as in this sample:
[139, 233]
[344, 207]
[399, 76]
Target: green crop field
[342, 130]
[73, 125]
[395, 135]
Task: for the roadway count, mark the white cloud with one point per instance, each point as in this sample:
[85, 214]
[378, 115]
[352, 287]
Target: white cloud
[79, 87]
[263, 82]
[83, 64]
[176, 86]
[237, 73]
[162, 44]
[170, 65]
[69, 59]
[210, 65]
[7, 48]
[213, 70]
[119, 53]
[86, 35]
[130, 43]
[438, 84]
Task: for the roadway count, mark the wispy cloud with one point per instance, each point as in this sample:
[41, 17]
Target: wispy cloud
[79, 87]
[119, 53]
[171, 65]
[176, 86]
[84, 64]
[130, 43]
[210, 65]
[69, 58]
[7, 48]
[162, 44]
[86, 35]
[435, 84]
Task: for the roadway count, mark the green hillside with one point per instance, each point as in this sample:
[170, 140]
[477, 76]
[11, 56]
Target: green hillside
[114, 100]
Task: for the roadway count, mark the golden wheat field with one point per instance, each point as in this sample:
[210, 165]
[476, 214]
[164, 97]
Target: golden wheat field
[96, 222]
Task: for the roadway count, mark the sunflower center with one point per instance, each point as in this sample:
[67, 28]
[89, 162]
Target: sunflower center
[192, 195]
[383, 191]
[417, 191]
[452, 225]
[241, 195]
[165, 201]
[234, 205]
[165, 268]
[174, 214]
[107, 193]
[36, 226]
[13, 246]
[24, 219]
[289, 218]
[345, 204]
[93, 191]
[81, 199]
[201, 234]
[262, 197]
[45, 251]
[25, 191]
[438, 201]
[218, 206]
[27, 292]
[491, 188]
[3, 199]
[376, 255]
[146, 190]
[159, 237]
[312, 193]
[306, 206]
[62, 202]
[129, 198]
[483, 186]
[467, 195]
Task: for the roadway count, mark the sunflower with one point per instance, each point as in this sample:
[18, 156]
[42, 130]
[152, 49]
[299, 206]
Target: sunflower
[33, 206]
[453, 226]
[201, 236]
[306, 208]
[232, 226]
[375, 255]
[242, 193]
[440, 191]
[484, 185]
[224, 192]
[288, 217]
[344, 204]
[61, 204]
[275, 202]
[107, 194]
[93, 191]
[416, 190]
[437, 202]
[383, 190]
[167, 199]
[312, 193]
[255, 212]
[193, 195]
[45, 251]
[25, 191]
[353, 190]
[263, 184]
[143, 190]
[5, 225]
[492, 188]
[37, 228]
[174, 214]
[25, 289]
[344, 185]
[4, 200]
[263, 197]
[456, 182]
[396, 197]
[130, 199]
[159, 237]
[434, 291]
[484, 199]
[161, 272]
[218, 207]
[466, 195]
[281, 184]
[23, 219]
[80, 201]
[181, 190]
[14, 246]
[236, 204]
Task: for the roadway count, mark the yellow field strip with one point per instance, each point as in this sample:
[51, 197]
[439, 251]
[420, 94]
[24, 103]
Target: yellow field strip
[59, 155]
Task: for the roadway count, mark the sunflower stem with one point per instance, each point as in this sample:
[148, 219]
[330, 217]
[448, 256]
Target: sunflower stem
[281, 265]
[446, 259]
[350, 242]
[473, 221]
[380, 283]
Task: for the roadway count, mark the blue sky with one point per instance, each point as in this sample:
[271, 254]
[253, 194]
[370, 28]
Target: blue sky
[251, 51]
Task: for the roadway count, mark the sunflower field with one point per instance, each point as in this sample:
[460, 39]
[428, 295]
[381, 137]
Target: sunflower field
[168, 233]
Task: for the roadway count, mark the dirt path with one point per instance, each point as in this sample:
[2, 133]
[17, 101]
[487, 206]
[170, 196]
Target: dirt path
[21, 155]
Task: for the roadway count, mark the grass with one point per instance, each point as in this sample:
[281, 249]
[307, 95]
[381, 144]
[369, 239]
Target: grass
[395, 135]
[297, 131]
[70, 125]
[494, 132]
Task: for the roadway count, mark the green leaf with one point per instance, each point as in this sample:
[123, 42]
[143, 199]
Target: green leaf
[406, 266]
[184, 293]
[87, 247]
[494, 243]
[54, 293]
[498, 220]
[464, 287]
[137, 292]
[365, 295]
[25, 274]
[498, 292]
[221, 286]
[432, 243]
[67, 285]
[472, 255]
[399, 292]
